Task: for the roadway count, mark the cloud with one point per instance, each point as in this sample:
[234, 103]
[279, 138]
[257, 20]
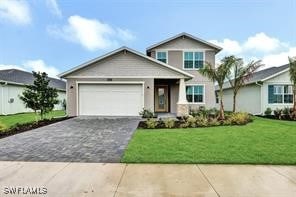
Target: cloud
[262, 42]
[39, 65]
[33, 65]
[272, 51]
[10, 66]
[92, 34]
[54, 8]
[279, 58]
[16, 11]
[229, 46]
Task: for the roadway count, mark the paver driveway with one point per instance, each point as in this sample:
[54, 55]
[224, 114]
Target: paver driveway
[91, 139]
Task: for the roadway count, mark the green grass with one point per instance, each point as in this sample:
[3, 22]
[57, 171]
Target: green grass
[263, 141]
[10, 120]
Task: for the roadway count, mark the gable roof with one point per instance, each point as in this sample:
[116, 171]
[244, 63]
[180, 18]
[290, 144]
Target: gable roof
[263, 75]
[20, 77]
[186, 35]
[124, 48]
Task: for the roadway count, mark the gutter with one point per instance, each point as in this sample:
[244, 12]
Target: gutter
[261, 94]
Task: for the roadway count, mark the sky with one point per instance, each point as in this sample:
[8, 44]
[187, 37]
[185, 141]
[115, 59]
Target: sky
[56, 35]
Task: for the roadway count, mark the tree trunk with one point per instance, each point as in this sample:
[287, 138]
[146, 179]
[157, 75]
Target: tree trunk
[221, 115]
[234, 102]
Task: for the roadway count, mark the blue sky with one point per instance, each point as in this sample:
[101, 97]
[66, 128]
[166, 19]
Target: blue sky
[55, 35]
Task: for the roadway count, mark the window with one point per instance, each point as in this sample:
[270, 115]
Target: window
[195, 93]
[193, 60]
[280, 94]
[162, 56]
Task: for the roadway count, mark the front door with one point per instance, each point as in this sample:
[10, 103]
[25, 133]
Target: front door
[161, 98]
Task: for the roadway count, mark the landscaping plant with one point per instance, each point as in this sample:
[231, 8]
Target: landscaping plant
[241, 74]
[219, 75]
[146, 113]
[151, 123]
[169, 123]
[40, 96]
[268, 111]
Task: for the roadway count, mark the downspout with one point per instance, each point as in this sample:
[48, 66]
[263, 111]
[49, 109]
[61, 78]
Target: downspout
[261, 94]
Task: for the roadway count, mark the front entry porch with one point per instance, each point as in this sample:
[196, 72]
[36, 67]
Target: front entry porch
[170, 97]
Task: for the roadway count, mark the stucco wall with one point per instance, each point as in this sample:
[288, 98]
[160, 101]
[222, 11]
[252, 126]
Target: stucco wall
[283, 79]
[9, 92]
[248, 99]
[72, 92]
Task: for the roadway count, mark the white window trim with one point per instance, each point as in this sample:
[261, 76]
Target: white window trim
[166, 52]
[203, 96]
[183, 58]
[282, 94]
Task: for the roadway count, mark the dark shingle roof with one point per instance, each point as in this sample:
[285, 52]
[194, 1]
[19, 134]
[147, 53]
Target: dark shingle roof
[26, 78]
[261, 75]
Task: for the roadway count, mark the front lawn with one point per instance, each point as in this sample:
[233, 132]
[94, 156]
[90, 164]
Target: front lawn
[11, 120]
[263, 141]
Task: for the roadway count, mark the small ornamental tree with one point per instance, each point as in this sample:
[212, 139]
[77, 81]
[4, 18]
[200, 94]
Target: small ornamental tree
[39, 96]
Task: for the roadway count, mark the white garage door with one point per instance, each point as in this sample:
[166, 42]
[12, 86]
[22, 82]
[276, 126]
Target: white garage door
[110, 99]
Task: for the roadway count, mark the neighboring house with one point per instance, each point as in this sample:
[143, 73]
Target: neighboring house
[270, 87]
[124, 81]
[12, 84]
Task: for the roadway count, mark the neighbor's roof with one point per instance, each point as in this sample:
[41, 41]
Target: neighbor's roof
[263, 75]
[186, 35]
[20, 77]
[124, 48]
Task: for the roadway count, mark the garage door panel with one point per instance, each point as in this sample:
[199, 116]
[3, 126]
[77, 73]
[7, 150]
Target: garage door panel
[110, 99]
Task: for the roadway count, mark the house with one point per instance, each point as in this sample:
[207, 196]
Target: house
[12, 84]
[124, 81]
[268, 88]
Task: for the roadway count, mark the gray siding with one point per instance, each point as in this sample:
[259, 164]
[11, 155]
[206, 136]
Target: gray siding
[183, 43]
[125, 64]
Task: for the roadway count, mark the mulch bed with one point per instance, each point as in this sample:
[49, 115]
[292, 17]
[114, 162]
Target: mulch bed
[19, 128]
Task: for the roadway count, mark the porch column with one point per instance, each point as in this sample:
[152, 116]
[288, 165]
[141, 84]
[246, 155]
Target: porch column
[182, 104]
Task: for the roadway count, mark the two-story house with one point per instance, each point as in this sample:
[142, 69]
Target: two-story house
[124, 81]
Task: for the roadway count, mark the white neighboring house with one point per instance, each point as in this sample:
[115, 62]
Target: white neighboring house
[270, 87]
[12, 84]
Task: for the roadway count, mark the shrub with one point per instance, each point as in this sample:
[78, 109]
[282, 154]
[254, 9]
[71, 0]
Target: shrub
[146, 113]
[214, 122]
[239, 118]
[169, 123]
[201, 121]
[151, 123]
[191, 121]
[2, 127]
[268, 111]
[278, 113]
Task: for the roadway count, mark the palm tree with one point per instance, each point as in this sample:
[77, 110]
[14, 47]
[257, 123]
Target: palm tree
[292, 61]
[219, 75]
[241, 74]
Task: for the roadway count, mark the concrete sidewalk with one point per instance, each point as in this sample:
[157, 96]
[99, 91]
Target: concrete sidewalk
[99, 179]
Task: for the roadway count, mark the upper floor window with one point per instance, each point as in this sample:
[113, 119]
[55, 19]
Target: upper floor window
[193, 60]
[281, 94]
[195, 93]
[161, 56]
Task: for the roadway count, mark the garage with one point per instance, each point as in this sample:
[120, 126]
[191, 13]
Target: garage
[110, 99]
